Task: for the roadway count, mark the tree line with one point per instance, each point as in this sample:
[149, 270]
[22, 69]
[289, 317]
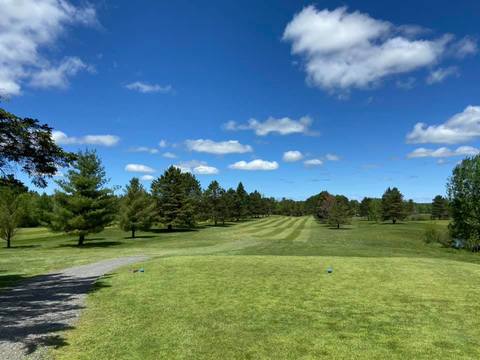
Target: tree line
[84, 204]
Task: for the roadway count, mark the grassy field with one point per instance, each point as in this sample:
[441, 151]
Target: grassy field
[259, 289]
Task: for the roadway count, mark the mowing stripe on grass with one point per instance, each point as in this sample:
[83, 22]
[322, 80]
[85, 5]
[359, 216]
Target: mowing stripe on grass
[265, 225]
[280, 229]
[293, 236]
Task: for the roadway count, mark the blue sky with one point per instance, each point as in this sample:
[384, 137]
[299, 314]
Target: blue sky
[361, 94]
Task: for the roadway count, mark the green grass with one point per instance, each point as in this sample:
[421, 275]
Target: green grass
[259, 289]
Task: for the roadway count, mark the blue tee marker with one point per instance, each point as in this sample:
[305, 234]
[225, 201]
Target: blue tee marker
[330, 270]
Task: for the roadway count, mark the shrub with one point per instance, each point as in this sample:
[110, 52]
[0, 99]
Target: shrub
[473, 242]
[434, 235]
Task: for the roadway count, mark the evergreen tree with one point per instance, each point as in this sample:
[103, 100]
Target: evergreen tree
[11, 212]
[241, 202]
[439, 208]
[392, 205]
[255, 204]
[177, 196]
[364, 207]
[339, 212]
[213, 196]
[83, 205]
[409, 207]
[228, 204]
[137, 210]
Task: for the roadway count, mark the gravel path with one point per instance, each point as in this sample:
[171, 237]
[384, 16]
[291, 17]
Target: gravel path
[33, 312]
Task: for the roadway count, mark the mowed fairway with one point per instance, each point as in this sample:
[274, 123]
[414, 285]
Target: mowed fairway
[260, 289]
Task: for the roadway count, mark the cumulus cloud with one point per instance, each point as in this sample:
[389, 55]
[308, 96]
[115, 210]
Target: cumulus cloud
[443, 152]
[197, 167]
[438, 75]
[28, 27]
[139, 168]
[219, 148]
[344, 50]
[102, 140]
[145, 149]
[292, 156]
[257, 164]
[332, 157]
[462, 127]
[313, 162]
[282, 126]
[146, 88]
[147, 178]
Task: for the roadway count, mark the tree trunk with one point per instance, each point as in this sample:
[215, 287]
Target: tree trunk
[394, 221]
[338, 226]
[8, 241]
[216, 222]
[133, 233]
[169, 227]
[81, 239]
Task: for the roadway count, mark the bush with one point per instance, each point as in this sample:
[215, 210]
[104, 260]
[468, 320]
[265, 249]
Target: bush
[420, 217]
[434, 235]
[473, 242]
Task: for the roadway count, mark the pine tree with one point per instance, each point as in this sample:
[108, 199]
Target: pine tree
[439, 208]
[255, 204]
[83, 205]
[365, 207]
[241, 202]
[392, 205]
[340, 212]
[137, 210]
[178, 197]
[213, 197]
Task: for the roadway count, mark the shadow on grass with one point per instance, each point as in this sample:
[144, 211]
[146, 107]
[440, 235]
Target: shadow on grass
[87, 244]
[24, 246]
[139, 237]
[10, 279]
[174, 230]
[35, 310]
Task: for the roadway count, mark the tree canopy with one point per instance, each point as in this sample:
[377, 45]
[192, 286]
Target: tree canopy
[392, 205]
[29, 144]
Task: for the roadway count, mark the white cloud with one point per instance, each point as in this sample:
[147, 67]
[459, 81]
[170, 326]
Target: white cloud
[220, 147]
[169, 155]
[103, 140]
[147, 178]
[344, 50]
[443, 152]
[139, 168]
[313, 162]
[58, 76]
[145, 149]
[332, 157]
[146, 88]
[282, 126]
[197, 167]
[466, 46]
[292, 156]
[257, 164]
[26, 28]
[163, 143]
[462, 127]
[438, 75]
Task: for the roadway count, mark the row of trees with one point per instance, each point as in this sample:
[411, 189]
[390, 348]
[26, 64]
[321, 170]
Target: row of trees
[84, 204]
